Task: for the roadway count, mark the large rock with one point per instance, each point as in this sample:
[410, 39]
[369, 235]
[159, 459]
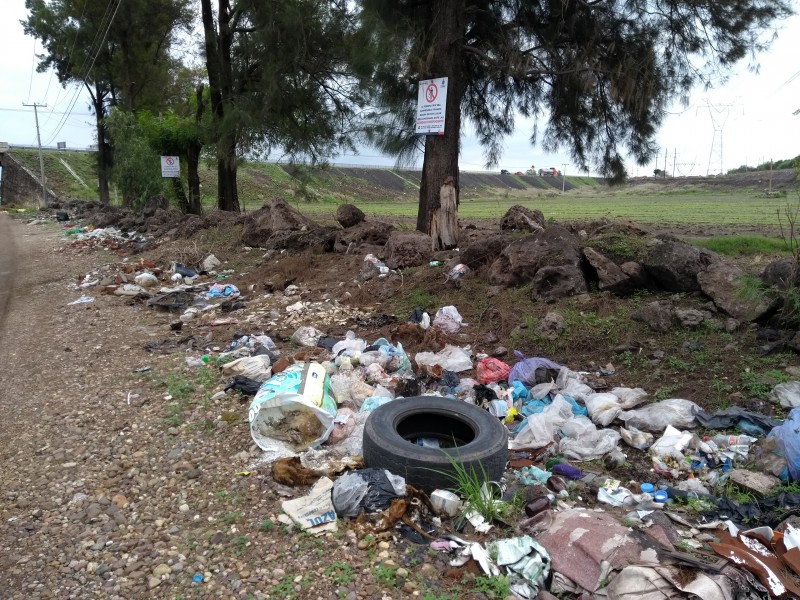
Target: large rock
[155, 203]
[657, 315]
[349, 215]
[610, 277]
[364, 238]
[640, 280]
[406, 249]
[779, 273]
[519, 218]
[484, 251]
[675, 264]
[553, 283]
[723, 284]
[519, 262]
[272, 217]
[319, 239]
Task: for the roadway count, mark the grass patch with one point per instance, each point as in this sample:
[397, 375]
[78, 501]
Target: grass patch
[339, 573]
[743, 245]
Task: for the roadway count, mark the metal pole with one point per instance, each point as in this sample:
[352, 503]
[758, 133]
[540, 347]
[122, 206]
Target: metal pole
[564, 177]
[35, 106]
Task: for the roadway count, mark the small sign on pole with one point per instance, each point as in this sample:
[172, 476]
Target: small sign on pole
[431, 103]
[170, 166]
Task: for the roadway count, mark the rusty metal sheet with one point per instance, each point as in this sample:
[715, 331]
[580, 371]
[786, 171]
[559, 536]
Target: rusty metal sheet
[751, 554]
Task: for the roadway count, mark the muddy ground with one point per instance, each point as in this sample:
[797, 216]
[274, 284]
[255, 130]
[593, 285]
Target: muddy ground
[121, 479]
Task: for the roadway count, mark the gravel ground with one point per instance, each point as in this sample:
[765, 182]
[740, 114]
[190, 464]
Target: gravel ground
[109, 490]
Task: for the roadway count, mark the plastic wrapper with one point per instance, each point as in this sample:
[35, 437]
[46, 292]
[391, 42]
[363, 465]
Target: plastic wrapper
[350, 390]
[307, 336]
[525, 369]
[252, 367]
[367, 489]
[672, 443]
[343, 425]
[222, 291]
[629, 398]
[641, 440]
[451, 358]
[541, 430]
[526, 561]
[786, 394]
[787, 442]
[293, 410]
[492, 370]
[314, 511]
[603, 408]
[583, 441]
[448, 320]
[655, 417]
[350, 344]
[398, 362]
[374, 402]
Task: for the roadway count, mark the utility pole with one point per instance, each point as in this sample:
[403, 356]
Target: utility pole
[564, 177]
[35, 106]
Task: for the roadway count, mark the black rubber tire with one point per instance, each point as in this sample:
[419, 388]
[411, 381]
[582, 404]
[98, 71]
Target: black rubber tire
[483, 440]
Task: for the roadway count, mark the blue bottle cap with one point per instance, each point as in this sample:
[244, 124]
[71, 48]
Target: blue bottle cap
[198, 578]
[661, 496]
[647, 488]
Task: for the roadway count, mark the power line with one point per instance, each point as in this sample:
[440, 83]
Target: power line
[33, 60]
[97, 53]
[3, 109]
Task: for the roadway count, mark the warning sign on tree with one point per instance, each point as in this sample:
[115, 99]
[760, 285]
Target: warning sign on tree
[431, 103]
[170, 166]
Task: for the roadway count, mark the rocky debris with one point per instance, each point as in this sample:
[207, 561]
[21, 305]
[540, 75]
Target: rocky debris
[155, 203]
[519, 218]
[610, 277]
[368, 237]
[553, 283]
[406, 249]
[674, 264]
[319, 239]
[349, 215]
[691, 318]
[758, 483]
[723, 283]
[551, 325]
[657, 315]
[484, 251]
[639, 278]
[779, 273]
[520, 261]
[270, 218]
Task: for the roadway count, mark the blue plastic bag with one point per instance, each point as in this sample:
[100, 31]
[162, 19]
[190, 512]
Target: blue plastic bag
[787, 436]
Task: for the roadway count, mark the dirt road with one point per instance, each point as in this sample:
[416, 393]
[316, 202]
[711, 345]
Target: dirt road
[126, 484]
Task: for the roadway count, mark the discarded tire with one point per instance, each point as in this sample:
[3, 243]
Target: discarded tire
[391, 432]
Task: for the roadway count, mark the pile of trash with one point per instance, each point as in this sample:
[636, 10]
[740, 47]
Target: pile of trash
[309, 401]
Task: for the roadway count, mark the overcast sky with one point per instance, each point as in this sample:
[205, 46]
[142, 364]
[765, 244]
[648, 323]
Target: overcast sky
[752, 113]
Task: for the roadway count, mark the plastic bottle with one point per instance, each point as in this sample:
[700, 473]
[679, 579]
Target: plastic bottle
[724, 441]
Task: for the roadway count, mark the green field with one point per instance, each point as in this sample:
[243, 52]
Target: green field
[736, 200]
[742, 208]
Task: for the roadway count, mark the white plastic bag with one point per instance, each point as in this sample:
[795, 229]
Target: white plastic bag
[672, 443]
[350, 344]
[786, 394]
[583, 441]
[307, 336]
[448, 319]
[253, 367]
[540, 429]
[451, 358]
[655, 417]
[350, 390]
[641, 440]
[603, 408]
[629, 397]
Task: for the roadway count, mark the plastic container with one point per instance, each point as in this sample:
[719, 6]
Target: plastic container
[725, 441]
[647, 488]
[445, 502]
[661, 496]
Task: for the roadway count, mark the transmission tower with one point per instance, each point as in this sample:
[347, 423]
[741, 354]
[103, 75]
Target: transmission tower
[719, 114]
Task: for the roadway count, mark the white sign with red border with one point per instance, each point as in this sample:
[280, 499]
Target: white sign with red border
[431, 103]
[170, 166]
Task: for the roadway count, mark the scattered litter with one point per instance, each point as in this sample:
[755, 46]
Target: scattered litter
[82, 300]
[448, 320]
[368, 489]
[314, 511]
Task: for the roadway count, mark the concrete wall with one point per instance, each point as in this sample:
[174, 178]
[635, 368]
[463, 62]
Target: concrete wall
[20, 186]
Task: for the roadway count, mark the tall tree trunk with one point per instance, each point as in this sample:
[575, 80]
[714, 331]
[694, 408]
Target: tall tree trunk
[441, 151]
[228, 195]
[218, 64]
[193, 158]
[103, 149]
